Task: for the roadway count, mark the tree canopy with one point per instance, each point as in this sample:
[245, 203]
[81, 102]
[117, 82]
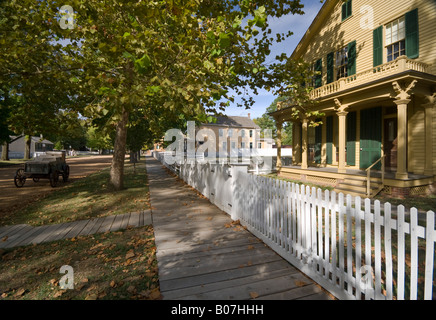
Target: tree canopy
[148, 64]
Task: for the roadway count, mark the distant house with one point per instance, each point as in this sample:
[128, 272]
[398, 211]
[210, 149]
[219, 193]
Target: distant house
[234, 132]
[38, 144]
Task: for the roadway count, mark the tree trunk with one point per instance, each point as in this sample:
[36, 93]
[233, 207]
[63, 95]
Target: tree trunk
[117, 166]
[5, 151]
[27, 143]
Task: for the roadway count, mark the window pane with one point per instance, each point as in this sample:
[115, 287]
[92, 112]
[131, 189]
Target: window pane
[388, 34]
[396, 47]
[401, 28]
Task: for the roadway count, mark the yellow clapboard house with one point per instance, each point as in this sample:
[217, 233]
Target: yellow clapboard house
[377, 89]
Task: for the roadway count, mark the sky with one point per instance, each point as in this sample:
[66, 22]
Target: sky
[298, 24]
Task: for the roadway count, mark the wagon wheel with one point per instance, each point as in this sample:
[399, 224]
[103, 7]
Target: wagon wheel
[54, 178]
[66, 173]
[19, 178]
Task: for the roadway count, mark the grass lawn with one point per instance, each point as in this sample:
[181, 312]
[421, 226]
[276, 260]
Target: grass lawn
[274, 176]
[424, 202]
[117, 265]
[86, 198]
[11, 162]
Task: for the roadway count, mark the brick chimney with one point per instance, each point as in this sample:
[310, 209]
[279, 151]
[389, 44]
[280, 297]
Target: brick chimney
[248, 115]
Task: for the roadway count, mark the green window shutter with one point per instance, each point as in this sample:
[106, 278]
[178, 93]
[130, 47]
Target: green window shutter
[346, 9]
[378, 46]
[318, 77]
[351, 58]
[412, 34]
[329, 139]
[330, 67]
[351, 138]
[349, 12]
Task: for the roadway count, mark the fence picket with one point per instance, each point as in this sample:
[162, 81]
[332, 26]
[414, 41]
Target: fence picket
[377, 248]
[413, 254]
[358, 233]
[308, 224]
[313, 245]
[369, 293]
[349, 247]
[429, 255]
[334, 250]
[341, 240]
[326, 209]
[294, 218]
[318, 210]
[401, 240]
[388, 251]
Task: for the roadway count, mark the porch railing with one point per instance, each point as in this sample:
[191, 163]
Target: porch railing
[368, 177]
[398, 65]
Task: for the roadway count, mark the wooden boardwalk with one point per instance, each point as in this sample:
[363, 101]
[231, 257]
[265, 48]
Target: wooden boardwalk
[202, 255]
[23, 234]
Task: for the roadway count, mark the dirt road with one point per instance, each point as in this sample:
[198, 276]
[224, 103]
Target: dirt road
[11, 196]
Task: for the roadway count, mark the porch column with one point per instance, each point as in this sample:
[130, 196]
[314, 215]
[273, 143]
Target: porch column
[342, 140]
[304, 147]
[428, 168]
[279, 145]
[402, 139]
[296, 147]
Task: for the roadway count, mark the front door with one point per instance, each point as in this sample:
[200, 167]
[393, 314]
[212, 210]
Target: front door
[370, 137]
[390, 143]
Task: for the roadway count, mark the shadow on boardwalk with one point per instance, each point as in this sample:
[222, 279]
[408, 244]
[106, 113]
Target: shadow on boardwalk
[203, 255]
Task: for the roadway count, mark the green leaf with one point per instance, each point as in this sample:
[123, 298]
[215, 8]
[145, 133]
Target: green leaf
[143, 63]
[224, 40]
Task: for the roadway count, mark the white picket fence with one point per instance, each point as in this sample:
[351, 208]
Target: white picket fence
[354, 248]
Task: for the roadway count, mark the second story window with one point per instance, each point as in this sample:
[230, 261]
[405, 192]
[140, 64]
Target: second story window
[342, 63]
[395, 39]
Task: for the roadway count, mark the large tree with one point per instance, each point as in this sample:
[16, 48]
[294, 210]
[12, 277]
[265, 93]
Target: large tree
[266, 121]
[180, 56]
[184, 58]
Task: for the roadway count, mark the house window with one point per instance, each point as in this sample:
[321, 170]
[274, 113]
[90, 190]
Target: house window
[346, 10]
[251, 133]
[242, 133]
[260, 145]
[395, 39]
[242, 145]
[251, 145]
[342, 63]
[230, 133]
[221, 132]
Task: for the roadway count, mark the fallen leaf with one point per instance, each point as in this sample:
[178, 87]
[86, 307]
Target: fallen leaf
[112, 284]
[130, 254]
[59, 293]
[155, 294]
[300, 283]
[254, 295]
[250, 247]
[5, 238]
[19, 292]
